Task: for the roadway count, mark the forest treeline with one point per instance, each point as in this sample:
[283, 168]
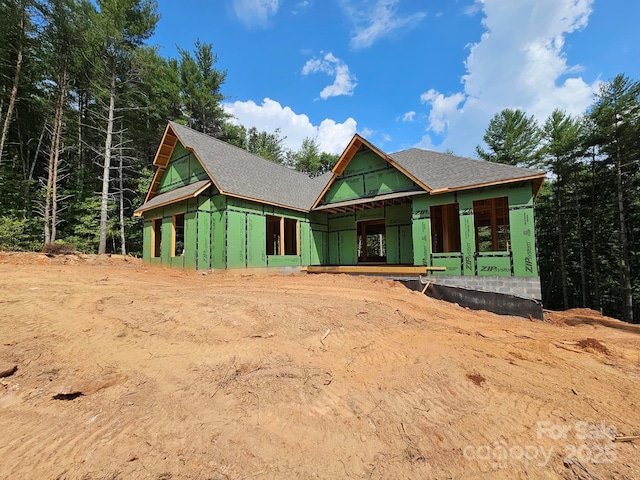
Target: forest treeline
[588, 212]
[84, 100]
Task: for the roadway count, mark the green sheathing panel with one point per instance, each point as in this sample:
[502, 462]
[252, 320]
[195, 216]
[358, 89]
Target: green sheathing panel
[521, 224]
[204, 219]
[421, 232]
[398, 234]
[283, 260]
[166, 213]
[256, 241]
[347, 244]
[467, 234]
[191, 238]
[218, 232]
[452, 262]
[393, 244]
[520, 261]
[305, 243]
[167, 231]
[200, 216]
[334, 248]
[489, 265]
[146, 241]
[367, 175]
[183, 169]
[246, 235]
[406, 244]
[342, 238]
[319, 244]
[236, 239]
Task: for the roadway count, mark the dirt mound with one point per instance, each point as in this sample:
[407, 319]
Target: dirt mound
[146, 373]
[67, 258]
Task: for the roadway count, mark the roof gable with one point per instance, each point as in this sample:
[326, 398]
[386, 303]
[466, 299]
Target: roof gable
[367, 176]
[236, 172]
[183, 169]
[364, 171]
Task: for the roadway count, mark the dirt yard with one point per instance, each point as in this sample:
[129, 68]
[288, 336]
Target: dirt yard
[129, 372]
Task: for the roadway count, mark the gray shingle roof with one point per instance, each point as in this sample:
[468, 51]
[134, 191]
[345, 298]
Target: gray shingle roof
[243, 174]
[240, 173]
[443, 171]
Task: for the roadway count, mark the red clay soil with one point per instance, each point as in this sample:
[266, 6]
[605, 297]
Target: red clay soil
[129, 372]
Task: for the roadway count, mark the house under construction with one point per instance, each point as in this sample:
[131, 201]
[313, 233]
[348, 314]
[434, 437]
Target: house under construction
[468, 223]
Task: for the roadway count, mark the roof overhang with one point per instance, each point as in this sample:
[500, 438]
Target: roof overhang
[395, 198]
[537, 180]
[179, 194]
[162, 158]
[355, 145]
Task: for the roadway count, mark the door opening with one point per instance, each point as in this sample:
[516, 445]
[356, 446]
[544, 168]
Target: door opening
[372, 241]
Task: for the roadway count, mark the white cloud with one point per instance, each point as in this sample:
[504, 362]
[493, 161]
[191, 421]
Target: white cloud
[255, 13]
[519, 62]
[441, 108]
[472, 9]
[366, 132]
[301, 7]
[409, 116]
[344, 82]
[375, 19]
[332, 137]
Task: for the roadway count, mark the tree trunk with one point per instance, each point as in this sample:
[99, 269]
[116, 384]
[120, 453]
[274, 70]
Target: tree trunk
[80, 172]
[47, 193]
[594, 252]
[35, 157]
[559, 220]
[123, 241]
[51, 199]
[14, 88]
[102, 246]
[624, 261]
[583, 277]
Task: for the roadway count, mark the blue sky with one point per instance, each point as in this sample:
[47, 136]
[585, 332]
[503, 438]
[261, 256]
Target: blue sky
[404, 73]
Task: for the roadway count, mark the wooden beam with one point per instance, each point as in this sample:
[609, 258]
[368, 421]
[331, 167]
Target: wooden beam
[282, 236]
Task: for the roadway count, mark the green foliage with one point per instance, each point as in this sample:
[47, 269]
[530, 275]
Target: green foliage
[310, 160]
[84, 232]
[12, 233]
[17, 233]
[512, 138]
[200, 89]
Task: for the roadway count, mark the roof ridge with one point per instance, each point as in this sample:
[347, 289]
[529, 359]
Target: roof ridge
[244, 151]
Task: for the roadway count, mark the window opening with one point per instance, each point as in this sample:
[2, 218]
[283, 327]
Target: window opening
[491, 218]
[445, 228]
